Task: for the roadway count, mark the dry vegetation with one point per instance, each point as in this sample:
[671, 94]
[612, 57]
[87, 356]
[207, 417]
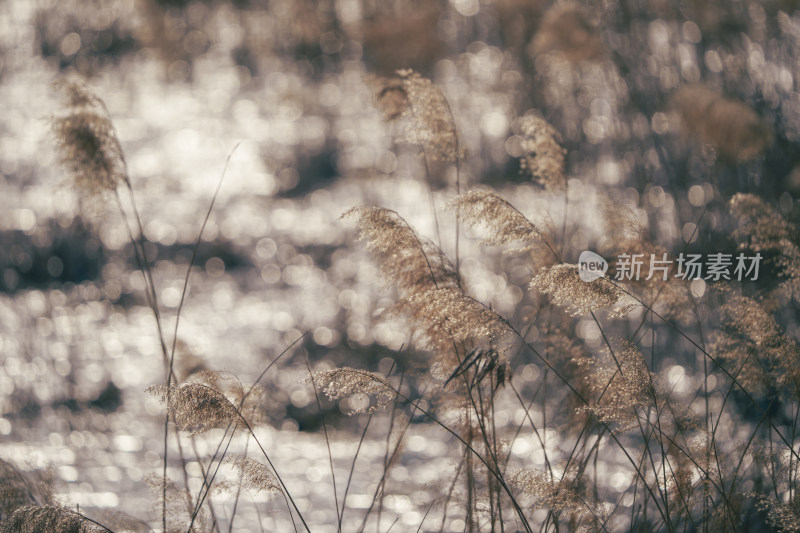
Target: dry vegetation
[616, 408]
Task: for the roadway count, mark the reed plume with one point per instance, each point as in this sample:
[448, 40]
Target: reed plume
[341, 383]
[504, 222]
[555, 496]
[255, 475]
[87, 142]
[229, 385]
[752, 340]
[411, 263]
[16, 491]
[428, 284]
[446, 316]
[179, 508]
[762, 229]
[623, 230]
[196, 407]
[783, 516]
[421, 112]
[541, 153]
[659, 289]
[565, 288]
[622, 382]
[40, 519]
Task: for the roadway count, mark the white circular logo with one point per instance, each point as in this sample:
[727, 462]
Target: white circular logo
[591, 266]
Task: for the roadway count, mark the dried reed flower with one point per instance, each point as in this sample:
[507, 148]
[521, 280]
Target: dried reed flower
[553, 495]
[344, 382]
[38, 519]
[624, 381]
[229, 385]
[783, 516]
[751, 337]
[411, 262]
[446, 316]
[762, 229]
[505, 223]
[222, 381]
[15, 491]
[196, 407]
[625, 234]
[567, 29]
[541, 153]
[180, 506]
[87, 142]
[422, 113]
[622, 228]
[730, 125]
[565, 350]
[671, 298]
[247, 402]
[427, 282]
[255, 474]
[77, 95]
[681, 485]
[564, 286]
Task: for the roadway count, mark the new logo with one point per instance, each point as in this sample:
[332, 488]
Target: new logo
[591, 266]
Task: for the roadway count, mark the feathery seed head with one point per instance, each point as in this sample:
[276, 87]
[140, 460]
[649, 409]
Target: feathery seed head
[255, 474]
[553, 495]
[247, 402]
[564, 286]
[505, 222]
[541, 153]
[196, 407]
[421, 112]
[35, 519]
[87, 142]
[783, 516]
[621, 389]
[427, 282]
[751, 338]
[15, 491]
[78, 95]
[446, 316]
[761, 226]
[623, 229]
[764, 229]
[344, 382]
[179, 506]
[410, 262]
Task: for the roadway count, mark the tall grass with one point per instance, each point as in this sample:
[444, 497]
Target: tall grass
[630, 452]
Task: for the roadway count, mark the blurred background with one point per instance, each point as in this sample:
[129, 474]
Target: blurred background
[666, 107]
